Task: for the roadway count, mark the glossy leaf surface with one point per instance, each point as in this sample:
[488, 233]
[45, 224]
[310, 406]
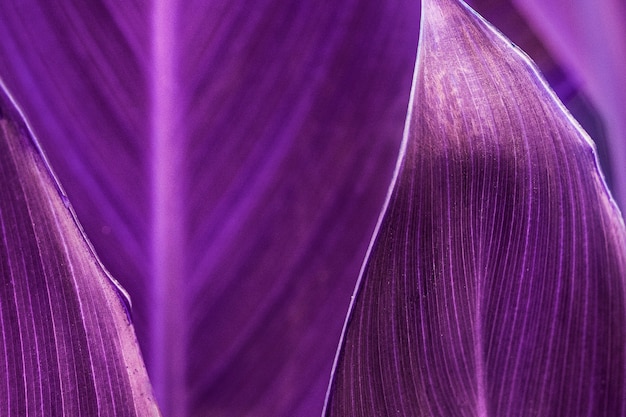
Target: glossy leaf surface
[495, 283]
[67, 347]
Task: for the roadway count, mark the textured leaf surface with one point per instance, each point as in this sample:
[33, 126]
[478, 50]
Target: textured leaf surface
[515, 25]
[229, 162]
[590, 38]
[495, 283]
[66, 345]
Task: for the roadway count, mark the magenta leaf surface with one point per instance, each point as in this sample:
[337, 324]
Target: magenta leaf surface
[228, 160]
[495, 283]
[67, 347]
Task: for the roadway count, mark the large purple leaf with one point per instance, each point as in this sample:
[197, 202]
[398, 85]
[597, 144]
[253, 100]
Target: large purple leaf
[495, 283]
[228, 160]
[66, 345]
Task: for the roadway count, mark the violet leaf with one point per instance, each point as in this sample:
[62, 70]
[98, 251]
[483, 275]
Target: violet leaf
[590, 39]
[495, 283]
[569, 88]
[228, 161]
[67, 347]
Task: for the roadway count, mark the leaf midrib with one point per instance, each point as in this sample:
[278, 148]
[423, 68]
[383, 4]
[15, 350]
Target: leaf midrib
[167, 330]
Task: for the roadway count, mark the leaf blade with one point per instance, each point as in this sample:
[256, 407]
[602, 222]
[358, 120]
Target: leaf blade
[67, 343]
[594, 53]
[288, 118]
[495, 283]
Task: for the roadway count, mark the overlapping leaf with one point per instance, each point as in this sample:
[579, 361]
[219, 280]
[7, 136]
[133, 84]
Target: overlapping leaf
[67, 347]
[228, 160]
[495, 285]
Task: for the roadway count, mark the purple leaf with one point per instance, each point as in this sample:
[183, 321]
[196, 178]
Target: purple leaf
[229, 162]
[67, 347]
[505, 16]
[590, 39]
[495, 283]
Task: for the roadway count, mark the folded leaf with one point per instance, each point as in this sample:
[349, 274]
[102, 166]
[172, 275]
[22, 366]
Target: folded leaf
[67, 347]
[495, 283]
[228, 161]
